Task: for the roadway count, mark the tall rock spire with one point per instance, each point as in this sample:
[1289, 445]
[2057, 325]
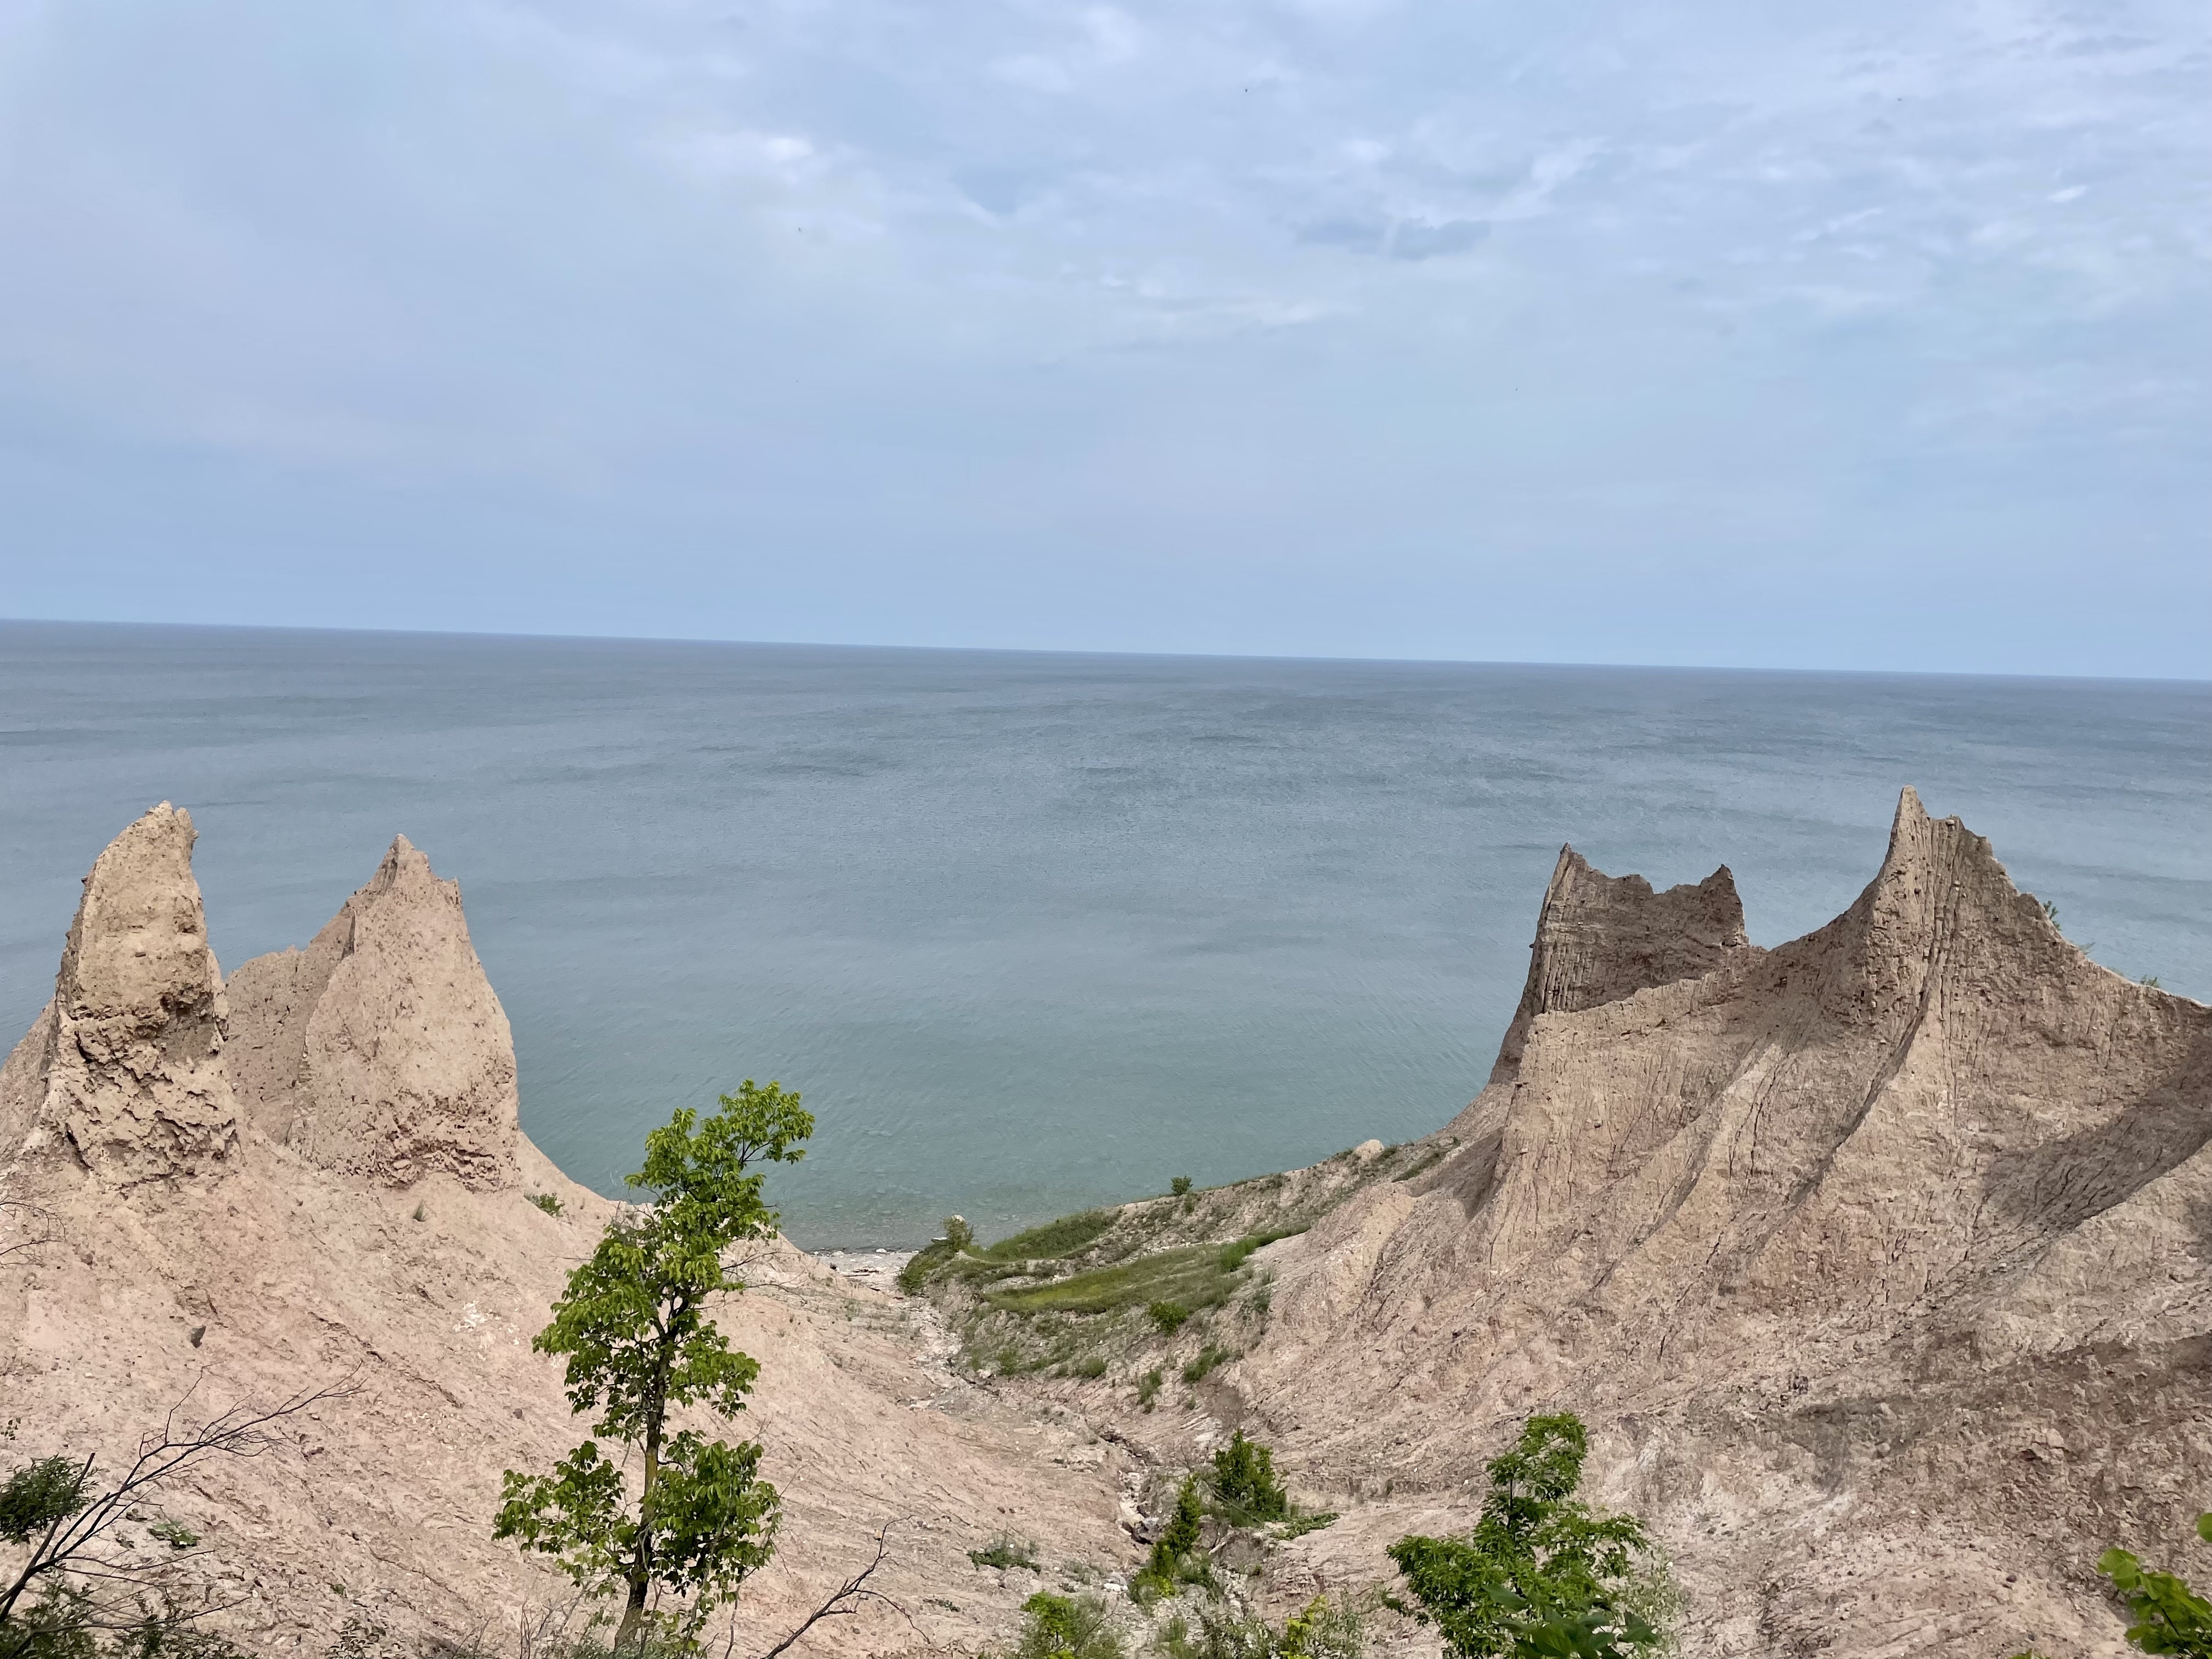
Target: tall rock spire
[124, 1067]
[381, 1049]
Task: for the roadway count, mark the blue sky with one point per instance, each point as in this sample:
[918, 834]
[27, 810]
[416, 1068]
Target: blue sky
[1866, 337]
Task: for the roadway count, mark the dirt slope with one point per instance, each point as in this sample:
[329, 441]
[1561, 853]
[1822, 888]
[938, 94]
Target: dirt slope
[1877, 1263]
[356, 1205]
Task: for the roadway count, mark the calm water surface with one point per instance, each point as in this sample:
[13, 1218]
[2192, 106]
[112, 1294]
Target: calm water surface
[1033, 931]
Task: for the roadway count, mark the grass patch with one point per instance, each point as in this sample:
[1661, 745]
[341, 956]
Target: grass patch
[1188, 1279]
[1208, 1358]
[1426, 1161]
[1092, 1368]
[924, 1263]
[1148, 1387]
[1006, 1550]
[1054, 1240]
[1233, 1255]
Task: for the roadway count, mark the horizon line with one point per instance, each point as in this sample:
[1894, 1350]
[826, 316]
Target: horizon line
[526, 636]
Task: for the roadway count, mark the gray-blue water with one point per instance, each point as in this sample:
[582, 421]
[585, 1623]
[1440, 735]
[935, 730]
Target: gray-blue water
[1033, 931]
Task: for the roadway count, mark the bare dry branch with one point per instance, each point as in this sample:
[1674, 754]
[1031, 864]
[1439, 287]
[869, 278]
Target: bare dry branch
[73, 1544]
[849, 1596]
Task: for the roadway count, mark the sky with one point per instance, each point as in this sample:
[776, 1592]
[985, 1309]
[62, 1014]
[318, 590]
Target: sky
[1872, 336]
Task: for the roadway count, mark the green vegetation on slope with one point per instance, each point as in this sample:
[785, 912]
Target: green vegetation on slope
[1192, 1277]
[1051, 1242]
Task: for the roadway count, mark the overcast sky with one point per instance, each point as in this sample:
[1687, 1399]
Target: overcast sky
[1872, 336]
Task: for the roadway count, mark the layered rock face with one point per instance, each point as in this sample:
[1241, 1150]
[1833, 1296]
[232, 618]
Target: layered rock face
[1878, 1262]
[381, 1049]
[124, 1063]
[1602, 938]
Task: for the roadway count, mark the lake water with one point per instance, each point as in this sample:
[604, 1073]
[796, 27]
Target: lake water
[1034, 931]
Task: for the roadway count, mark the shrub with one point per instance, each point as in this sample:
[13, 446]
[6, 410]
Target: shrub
[1540, 1573]
[1093, 1367]
[548, 1202]
[1208, 1358]
[958, 1233]
[1325, 1628]
[1233, 1255]
[1175, 1558]
[1148, 1388]
[1169, 1317]
[1006, 1550]
[1180, 1186]
[1067, 1627]
[1245, 1488]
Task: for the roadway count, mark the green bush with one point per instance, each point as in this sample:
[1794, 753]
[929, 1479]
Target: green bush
[1233, 1255]
[1325, 1628]
[1175, 1557]
[1148, 1388]
[1245, 1489]
[1540, 1574]
[1067, 1627]
[1170, 1316]
[1093, 1367]
[2168, 1616]
[924, 1263]
[548, 1202]
[1180, 1186]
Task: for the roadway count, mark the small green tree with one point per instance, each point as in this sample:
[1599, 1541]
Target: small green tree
[1174, 1550]
[634, 1323]
[1539, 1576]
[1245, 1489]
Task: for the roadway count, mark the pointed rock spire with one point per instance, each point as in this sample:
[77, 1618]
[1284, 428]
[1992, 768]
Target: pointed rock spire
[381, 1051]
[123, 1064]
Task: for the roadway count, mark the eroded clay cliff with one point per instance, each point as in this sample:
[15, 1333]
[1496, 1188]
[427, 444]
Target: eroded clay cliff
[183, 1252]
[1602, 938]
[1878, 1262]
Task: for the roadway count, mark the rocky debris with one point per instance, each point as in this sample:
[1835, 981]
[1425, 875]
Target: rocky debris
[1602, 938]
[1876, 1262]
[381, 1051]
[124, 1067]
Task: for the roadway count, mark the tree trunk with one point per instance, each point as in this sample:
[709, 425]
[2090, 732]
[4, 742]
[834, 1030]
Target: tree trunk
[641, 1555]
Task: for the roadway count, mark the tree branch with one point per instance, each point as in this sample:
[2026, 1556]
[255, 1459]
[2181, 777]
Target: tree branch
[849, 1596]
[163, 1455]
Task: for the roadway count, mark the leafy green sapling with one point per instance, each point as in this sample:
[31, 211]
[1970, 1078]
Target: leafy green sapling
[1540, 1574]
[635, 1325]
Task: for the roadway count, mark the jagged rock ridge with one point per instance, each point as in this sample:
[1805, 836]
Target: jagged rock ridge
[1878, 1261]
[1600, 938]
